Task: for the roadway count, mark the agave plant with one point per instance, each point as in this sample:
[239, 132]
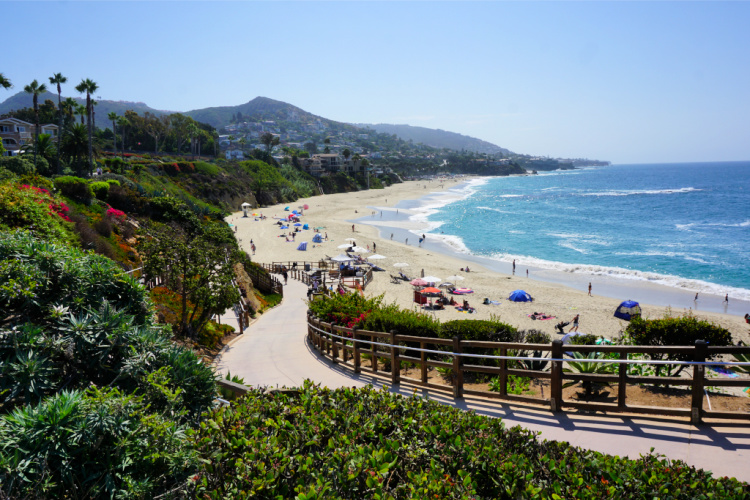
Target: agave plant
[583, 365]
[742, 358]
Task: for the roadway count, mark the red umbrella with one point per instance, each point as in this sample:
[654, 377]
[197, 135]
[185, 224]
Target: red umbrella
[305, 207]
[430, 290]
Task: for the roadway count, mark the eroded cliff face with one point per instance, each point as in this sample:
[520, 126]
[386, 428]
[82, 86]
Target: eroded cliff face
[250, 300]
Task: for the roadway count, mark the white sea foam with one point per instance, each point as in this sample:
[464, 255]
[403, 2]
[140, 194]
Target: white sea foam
[677, 282]
[494, 210]
[616, 192]
[692, 257]
[694, 225]
[431, 204]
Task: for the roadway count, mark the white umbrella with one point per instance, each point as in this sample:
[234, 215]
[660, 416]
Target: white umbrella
[345, 245]
[376, 256]
[455, 278]
[342, 258]
[432, 279]
[350, 239]
[400, 264]
[360, 250]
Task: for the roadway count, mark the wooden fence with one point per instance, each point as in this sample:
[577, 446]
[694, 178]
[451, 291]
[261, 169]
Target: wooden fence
[326, 271]
[264, 281]
[346, 346]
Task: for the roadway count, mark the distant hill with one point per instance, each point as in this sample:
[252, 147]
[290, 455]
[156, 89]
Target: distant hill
[437, 138]
[260, 108]
[263, 108]
[103, 108]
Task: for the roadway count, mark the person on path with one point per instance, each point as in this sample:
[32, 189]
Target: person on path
[285, 274]
[575, 323]
[589, 289]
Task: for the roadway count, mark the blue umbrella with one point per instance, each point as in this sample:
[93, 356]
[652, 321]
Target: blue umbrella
[520, 296]
[284, 227]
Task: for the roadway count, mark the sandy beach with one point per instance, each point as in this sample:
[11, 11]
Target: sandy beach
[336, 213]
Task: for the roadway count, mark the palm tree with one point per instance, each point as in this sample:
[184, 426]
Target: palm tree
[113, 116]
[35, 89]
[58, 79]
[88, 87]
[75, 145]
[81, 110]
[122, 122]
[4, 82]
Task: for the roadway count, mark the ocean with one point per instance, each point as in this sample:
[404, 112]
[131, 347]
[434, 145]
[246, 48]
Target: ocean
[684, 226]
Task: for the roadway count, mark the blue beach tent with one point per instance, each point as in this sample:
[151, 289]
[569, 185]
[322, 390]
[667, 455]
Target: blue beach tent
[302, 246]
[305, 227]
[520, 296]
[318, 238]
[627, 310]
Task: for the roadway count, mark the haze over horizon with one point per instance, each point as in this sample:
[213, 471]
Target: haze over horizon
[629, 82]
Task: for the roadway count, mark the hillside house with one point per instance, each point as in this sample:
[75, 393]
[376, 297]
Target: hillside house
[16, 133]
[234, 154]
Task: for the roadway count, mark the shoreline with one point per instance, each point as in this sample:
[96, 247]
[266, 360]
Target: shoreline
[616, 287]
[562, 298]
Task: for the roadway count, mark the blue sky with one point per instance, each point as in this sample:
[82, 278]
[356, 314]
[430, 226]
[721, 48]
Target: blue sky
[631, 82]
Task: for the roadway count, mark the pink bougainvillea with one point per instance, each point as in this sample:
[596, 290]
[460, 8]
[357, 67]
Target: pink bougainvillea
[117, 214]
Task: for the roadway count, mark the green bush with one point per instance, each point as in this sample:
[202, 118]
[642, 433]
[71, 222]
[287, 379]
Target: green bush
[206, 168]
[586, 339]
[364, 443]
[479, 329]
[74, 318]
[34, 209]
[403, 321]
[19, 165]
[681, 331]
[100, 189]
[75, 188]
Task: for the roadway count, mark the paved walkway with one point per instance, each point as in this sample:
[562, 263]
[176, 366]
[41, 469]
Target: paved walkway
[274, 352]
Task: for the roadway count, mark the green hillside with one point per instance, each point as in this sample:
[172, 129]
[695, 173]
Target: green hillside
[437, 138]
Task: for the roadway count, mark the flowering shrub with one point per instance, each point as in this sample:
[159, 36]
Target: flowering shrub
[33, 208]
[116, 214]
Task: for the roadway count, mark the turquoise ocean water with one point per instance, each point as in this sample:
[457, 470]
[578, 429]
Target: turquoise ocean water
[685, 226]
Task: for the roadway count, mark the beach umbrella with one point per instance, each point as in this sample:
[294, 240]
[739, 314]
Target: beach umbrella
[430, 292]
[342, 257]
[297, 224]
[400, 264]
[418, 282]
[359, 250]
[345, 245]
[286, 209]
[350, 239]
[432, 279]
[455, 278]
[376, 256]
[446, 285]
[305, 207]
[520, 296]
[284, 227]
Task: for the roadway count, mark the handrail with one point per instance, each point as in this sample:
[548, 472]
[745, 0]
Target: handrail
[339, 343]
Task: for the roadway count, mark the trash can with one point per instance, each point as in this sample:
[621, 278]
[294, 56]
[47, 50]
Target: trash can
[307, 266]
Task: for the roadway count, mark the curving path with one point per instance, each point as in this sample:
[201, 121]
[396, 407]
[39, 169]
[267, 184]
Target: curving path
[273, 352]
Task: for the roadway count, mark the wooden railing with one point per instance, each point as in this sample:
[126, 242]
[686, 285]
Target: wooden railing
[456, 357]
[264, 281]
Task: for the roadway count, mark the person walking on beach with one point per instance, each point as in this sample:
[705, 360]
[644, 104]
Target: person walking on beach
[391, 236]
[252, 246]
[407, 241]
[696, 297]
[326, 235]
[575, 323]
[352, 227]
[527, 273]
[726, 298]
[514, 266]
[589, 289]
[374, 247]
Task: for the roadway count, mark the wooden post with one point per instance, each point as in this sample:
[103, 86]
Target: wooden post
[395, 362]
[700, 354]
[555, 399]
[503, 373]
[357, 360]
[374, 348]
[622, 382]
[327, 341]
[423, 358]
[458, 375]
